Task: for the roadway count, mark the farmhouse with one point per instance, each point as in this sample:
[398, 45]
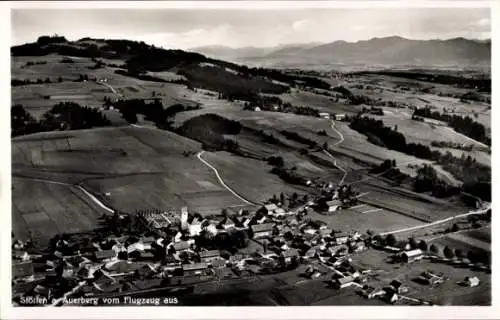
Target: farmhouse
[324, 115]
[344, 282]
[430, 278]
[181, 246]
[105, 255]
[341, 238]
[289, 255]
[471, 281]
[412, 255]
[333, 205]
[262, 230]
[194, 269]
[208, 256]
[340, 117]
[271, 208]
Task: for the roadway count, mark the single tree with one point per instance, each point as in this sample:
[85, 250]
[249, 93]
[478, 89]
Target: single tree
[434, 249]
[413, 243]
[455, 228]
[448, 253]
[422, 245]
[459, 253]
[390, 240]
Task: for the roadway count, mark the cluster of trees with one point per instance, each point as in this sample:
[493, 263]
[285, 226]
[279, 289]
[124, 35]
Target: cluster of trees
[147, 77]
[62, 116]
[276, 161]
[21, 122]
[452, 145]
[18, 82]
[152, 110]
[427, 181]
[231, 86]
[289, 175]
[210, 129]
[463, 125]
[352, 98]
[291, 135]
[34, 63]
[464, 168]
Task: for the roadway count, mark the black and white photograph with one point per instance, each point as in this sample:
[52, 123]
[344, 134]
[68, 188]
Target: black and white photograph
[239, 156]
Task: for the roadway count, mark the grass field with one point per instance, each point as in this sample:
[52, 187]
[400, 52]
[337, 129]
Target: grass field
[249, 177]
[41, 210]
[377, 221]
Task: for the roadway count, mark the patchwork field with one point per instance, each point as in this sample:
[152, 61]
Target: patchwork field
[41, 209]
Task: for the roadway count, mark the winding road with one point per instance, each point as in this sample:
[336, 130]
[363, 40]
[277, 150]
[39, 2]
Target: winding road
[330, 155]
[221, 180]
[470, 213]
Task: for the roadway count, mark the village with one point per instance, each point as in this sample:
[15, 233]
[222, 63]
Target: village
[156, 252]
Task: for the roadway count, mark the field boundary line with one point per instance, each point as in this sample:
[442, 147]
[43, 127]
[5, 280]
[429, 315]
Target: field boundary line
[198, 155]
[95, 200]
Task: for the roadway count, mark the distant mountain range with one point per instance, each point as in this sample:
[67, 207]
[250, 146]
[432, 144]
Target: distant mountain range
[388, 51]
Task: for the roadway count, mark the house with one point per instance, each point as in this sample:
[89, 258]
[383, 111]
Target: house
[289, 255]
[309, 230]
[341, 237]
[171, 263]
[471, 281]
[430, 278]
[181, 246]
[271, 208]
[279, 212]
[22, 270]
[246, 222]
[397, 287]
[122, 267]
[262, 230]
[412, 255]
[359, 246]
[324, 115]
[194, 227]
[344, 282]
[105, 255]
[207, 256]
[340, 117]
[226, 223]
[334, 205]
[194, 269]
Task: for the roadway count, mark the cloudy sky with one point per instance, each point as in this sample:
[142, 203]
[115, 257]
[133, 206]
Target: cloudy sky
[188, 28]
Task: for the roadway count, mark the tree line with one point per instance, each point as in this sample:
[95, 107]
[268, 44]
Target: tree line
[464, 125]
[62, 116]
[464, 168]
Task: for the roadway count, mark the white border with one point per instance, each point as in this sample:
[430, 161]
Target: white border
[8, 312]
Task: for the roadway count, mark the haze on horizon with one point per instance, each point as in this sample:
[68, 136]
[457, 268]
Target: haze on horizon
[190, 28]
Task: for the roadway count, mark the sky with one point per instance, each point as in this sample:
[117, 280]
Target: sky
[190, 28]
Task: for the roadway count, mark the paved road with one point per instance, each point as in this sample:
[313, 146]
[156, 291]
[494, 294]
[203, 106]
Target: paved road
[221, 180]
[470, 213]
